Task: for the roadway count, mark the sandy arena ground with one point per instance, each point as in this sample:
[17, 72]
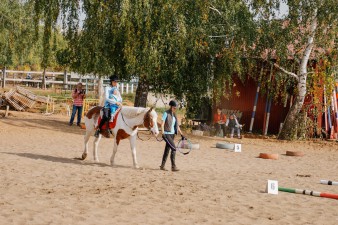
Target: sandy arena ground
[42, 182]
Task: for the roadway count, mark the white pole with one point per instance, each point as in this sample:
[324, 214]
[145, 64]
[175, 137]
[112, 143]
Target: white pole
[132, 88]
[121, 88]
[127, 88]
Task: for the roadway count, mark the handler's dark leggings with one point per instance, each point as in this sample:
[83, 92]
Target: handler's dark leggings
[170, 144]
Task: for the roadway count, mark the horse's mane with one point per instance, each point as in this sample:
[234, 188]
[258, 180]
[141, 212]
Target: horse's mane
[130, 111]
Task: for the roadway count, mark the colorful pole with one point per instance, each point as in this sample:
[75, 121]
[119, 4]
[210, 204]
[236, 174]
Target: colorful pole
[335, 108]
[328, 182]
[332, 117]
[329, 117]
[265, 113]
[268, 116]
[254, 108]
[255, 103]
[267, 105]
[325, 112]
[307, 192]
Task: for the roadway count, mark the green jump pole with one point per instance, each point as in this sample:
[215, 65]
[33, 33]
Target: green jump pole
[290, 190]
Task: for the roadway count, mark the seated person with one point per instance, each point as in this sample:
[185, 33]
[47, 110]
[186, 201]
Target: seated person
[233, 124]
[219, 121]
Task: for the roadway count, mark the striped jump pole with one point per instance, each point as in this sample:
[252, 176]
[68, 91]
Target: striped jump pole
[325, 112]
[307, 192]
[335, 108]
[329, 120]
[268, 116]
[328, 182]
[265, 113]
[332, 118]
[254, 108]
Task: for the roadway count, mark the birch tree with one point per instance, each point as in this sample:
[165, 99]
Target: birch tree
[305, 32]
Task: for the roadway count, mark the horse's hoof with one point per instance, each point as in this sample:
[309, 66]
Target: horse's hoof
[136, 167]
[84, 156]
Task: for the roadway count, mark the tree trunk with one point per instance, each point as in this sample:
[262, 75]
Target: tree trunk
[141, 94]
[289, 130]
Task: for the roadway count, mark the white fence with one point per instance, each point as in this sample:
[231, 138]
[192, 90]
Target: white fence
[61, 79]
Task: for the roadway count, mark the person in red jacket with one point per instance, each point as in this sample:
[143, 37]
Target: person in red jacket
[219, 121]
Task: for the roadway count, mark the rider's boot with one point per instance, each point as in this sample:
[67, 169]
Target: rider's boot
[164, 159]
[173, 165]
[108, 129]
[97, 133]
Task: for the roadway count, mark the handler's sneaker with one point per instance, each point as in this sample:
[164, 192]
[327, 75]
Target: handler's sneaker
[174, 169]
[162, 168]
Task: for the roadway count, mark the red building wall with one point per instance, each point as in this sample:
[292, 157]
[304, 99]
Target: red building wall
[242, 99]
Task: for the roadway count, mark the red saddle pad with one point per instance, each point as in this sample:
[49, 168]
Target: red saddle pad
[111, 124]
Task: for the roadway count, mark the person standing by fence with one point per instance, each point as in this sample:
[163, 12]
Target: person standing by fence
[78, 96]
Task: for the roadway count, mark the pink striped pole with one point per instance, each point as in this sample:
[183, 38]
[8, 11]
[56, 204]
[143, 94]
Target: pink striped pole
[325, 112]
[335, 108]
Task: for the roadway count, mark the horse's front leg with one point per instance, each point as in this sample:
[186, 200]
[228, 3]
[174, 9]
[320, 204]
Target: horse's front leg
[96, 144]
[86, 139]
[132, 140]
[112, 158]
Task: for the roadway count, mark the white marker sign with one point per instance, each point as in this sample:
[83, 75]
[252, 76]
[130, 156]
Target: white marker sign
[238, 148]
[272, 187]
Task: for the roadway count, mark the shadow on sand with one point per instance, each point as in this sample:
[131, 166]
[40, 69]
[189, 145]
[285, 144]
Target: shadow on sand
[77, 161]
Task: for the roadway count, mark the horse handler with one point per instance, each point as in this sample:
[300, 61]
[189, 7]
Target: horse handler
[170, 128]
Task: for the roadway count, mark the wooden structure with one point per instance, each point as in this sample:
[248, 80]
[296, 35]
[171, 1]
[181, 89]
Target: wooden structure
[21, 99]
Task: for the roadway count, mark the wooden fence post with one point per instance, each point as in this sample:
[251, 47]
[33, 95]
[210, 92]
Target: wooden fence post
[3, 85]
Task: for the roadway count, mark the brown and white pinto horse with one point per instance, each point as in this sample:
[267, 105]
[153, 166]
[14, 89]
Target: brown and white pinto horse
[127, 122]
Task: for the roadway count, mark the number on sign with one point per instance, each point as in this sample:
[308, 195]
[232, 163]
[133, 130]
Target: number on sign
[272, 187]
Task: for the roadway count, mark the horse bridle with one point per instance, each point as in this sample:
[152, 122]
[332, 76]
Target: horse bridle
[148, 121]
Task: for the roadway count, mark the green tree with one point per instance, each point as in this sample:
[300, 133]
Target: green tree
[16, 28]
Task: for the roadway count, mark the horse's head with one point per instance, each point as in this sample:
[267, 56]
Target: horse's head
[150, 121]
